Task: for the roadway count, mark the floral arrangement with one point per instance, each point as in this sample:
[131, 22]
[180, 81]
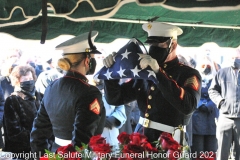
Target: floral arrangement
[131, 147]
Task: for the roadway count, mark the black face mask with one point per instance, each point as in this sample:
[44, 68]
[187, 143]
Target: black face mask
[28, 88]
[92, 66]
[160, 54]
[207, 71]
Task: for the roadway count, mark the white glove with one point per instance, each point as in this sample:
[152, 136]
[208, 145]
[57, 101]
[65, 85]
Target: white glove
[147, 60]
[109, 60]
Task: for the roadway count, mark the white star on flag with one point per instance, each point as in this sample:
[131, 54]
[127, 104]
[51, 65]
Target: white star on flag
[108, 74]
[135, 71]
[125, 54]
[126, 64]
[151, 73]
[121, 72]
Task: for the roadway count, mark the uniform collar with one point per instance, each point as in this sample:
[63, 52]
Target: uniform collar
[169, 64]
[75, 74]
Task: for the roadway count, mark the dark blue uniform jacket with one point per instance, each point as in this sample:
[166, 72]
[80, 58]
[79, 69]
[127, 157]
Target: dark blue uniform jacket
[67, 112]
[171, 102]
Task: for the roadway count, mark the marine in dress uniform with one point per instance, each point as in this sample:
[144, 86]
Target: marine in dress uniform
[168, 104]
[72, 110]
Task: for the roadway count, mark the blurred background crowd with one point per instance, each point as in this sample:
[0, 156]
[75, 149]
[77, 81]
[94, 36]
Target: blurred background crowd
[207, 59]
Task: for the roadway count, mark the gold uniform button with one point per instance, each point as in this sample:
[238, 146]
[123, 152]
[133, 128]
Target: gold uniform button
[149, 106]
[152, 88]
[165, 65]
[146, 114]
[149, 97]
[170, 76]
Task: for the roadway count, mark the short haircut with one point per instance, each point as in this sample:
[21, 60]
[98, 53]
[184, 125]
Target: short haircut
[21, 70]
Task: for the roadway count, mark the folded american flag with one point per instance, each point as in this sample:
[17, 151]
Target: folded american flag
[127, 65]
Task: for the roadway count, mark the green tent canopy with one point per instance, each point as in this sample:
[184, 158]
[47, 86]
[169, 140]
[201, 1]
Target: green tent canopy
[201, 22]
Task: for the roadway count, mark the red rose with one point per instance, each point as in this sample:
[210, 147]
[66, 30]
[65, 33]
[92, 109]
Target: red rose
[148, 147]
[132, 148]
[101, 148]
[138, 139]
[97, 140]
[98, 144]
[131, 152]
[167, 142]
[66, 149]
[164, 145]
[123, 138]
[175, 146]
[171, 155]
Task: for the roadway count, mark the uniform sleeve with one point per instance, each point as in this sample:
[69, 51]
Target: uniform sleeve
[214, 90]
[14, 130]
[90, 117]
[184, 97]
[1, 105]
[120, 114]
[41, 131]
[119, 94]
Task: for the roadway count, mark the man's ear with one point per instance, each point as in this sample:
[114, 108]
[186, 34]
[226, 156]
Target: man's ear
[174, 45]
[86, 61]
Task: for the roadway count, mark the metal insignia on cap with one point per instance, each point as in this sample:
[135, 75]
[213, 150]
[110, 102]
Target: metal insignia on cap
[87, 50]
[149, 26]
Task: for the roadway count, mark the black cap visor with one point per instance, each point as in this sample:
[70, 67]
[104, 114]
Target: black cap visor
[155, 39]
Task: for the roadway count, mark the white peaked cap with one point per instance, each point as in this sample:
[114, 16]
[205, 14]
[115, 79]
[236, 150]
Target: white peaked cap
[159, 29]
[77, 44]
